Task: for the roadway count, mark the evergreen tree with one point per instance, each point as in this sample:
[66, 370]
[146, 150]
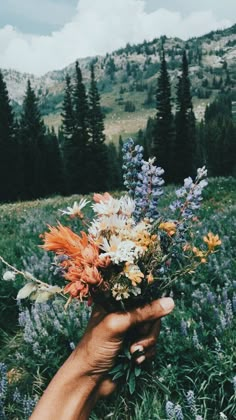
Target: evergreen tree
[75, 129]
[8, 147]
[162, 147]
[185, 141]
[32, 139]
[53, 164]
[220, 137]
[67, 111]
[98, 153]
[114, 168]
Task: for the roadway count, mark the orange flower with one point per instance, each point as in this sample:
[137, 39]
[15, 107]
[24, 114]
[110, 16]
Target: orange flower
[168, 227]
[186, 247]
[74, 272]
[212, 241]
[200, 254]
[62, 240]
[77, 289]
[150, 278]
[91, 275]
[101, 198]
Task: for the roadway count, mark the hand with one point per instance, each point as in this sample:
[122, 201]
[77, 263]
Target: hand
[105, 333]
[83, 378]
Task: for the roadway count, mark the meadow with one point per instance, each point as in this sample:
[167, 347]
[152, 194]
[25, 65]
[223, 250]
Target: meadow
[195, 359]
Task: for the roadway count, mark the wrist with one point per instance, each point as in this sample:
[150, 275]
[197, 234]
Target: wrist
[72, 393]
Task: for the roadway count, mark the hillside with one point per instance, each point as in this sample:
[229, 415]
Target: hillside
[129, 75]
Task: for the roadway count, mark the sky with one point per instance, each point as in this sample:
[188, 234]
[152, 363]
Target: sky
[40, 36]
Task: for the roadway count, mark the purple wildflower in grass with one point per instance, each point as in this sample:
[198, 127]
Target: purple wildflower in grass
[3, 389]
[234, 384]
[72, 345]
[28, 406]
[189, 196]
[183, 328]
[190, 397]
[210, 297]
[17, 396]
[229, 312]
[170, 410]
[223, 321]
[234, 302]
[178, 413]
[195, 339]
[218, 347]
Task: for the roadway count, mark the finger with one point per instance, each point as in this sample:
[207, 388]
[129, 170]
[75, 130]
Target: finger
[148, 341]
[151, 312]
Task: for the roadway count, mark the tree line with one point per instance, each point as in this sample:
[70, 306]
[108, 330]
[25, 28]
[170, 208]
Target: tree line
[37, 162]
[178, 142]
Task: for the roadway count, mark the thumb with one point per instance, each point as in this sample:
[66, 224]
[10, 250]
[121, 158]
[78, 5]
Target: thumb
[151, 312]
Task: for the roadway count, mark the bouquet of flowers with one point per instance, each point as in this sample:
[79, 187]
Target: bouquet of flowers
[128, 254]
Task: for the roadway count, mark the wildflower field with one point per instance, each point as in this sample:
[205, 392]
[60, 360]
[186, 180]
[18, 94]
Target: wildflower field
[195, 360]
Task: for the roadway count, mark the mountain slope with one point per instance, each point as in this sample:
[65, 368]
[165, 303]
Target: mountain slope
[129, 75]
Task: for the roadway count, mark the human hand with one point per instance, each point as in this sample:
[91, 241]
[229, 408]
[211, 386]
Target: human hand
[83, 379]
[105, 333]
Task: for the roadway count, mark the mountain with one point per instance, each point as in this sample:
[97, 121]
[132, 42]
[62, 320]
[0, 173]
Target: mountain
[127, 79]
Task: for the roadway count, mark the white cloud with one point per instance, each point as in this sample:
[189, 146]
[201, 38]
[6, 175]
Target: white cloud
[99, 26]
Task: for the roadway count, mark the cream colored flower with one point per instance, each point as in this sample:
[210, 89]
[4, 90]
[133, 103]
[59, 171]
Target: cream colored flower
[127, 206]
[75, 210]
[120, 292]
[133, 273]
[107, 208]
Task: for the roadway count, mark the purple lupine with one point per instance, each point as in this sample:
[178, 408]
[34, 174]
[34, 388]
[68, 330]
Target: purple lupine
[183, 328]
[189, 196]
[178, 413]
[190, 397]
[170, 410]
[142, 180]
[234, 302]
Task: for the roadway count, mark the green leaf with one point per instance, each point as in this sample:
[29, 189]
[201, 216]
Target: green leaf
[26, 291]
[118, 375]
[132, 383]
[117, 368]
[137, 371]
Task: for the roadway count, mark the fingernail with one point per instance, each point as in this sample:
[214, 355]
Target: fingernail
[140, 359]
[167, 304]
[137, 348]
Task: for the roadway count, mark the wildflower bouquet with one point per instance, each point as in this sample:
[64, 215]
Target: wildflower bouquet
[129, 254]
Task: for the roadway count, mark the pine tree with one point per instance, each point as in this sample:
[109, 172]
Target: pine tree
[66, 136]
[185, 141]
[53, 164]
[67, 111]
[8, 147]
[98, 153]
[162, 147]
[76, 136]
[114, 168]
[32, 138]
[220, 137]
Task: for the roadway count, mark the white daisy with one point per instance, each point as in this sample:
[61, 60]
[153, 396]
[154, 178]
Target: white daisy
[127, 205]
[75, 210]
[107, 208]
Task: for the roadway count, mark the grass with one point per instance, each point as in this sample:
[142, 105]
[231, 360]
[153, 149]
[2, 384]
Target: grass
[194, 352]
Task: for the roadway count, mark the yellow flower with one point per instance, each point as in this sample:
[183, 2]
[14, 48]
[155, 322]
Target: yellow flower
[212, 241]
[200, 254]
[14, 375]
[133, 273]
[168, 227]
